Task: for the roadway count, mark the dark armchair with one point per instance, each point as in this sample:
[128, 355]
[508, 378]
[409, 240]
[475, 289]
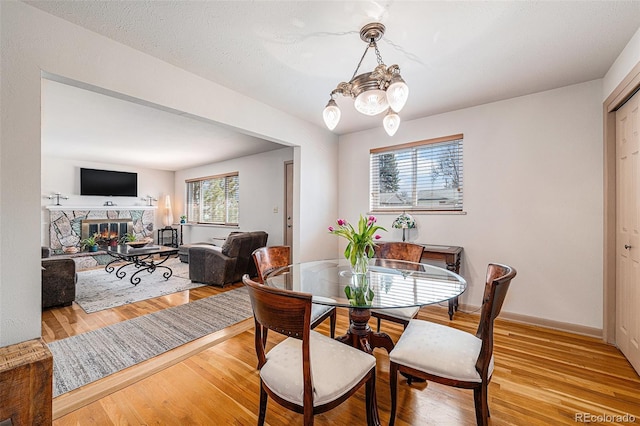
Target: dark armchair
[215, 265]
[58, 282]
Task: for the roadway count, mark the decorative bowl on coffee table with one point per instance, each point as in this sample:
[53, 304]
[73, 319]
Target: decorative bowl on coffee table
[137, 244]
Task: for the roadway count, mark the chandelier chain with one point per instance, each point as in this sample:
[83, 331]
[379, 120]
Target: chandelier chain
[360, 63]
[378, 55]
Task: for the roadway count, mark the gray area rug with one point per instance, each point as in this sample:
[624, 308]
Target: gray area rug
[87, 357]
[97, 289]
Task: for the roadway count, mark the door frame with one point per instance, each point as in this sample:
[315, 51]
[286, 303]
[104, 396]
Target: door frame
[627, 87]
[288, 196]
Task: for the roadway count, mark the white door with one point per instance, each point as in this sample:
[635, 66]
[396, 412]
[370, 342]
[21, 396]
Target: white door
[628, 231]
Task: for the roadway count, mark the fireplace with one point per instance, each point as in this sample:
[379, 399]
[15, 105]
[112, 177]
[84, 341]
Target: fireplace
[108, 229]
[69, 225]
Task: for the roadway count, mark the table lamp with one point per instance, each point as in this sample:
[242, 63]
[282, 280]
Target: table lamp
[168, 213]
[404, 221]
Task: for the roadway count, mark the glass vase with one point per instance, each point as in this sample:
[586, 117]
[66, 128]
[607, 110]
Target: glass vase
[361, 265]
[359, 291]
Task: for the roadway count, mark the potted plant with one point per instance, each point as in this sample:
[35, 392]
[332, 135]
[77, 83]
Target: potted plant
[132, 240]
[183, 219]
[91, 242]
[128, 237]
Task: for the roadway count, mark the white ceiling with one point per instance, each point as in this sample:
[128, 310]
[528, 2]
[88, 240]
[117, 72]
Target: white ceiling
[291, 54]
[82, 124]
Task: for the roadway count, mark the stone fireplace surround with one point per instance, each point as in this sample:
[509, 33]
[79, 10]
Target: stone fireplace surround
[65, 222]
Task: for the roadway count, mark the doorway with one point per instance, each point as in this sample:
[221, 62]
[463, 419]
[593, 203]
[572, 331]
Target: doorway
[627, 331]
[288, 204]
[616, 268]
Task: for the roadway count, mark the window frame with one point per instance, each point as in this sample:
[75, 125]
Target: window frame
[201, 203]
[414, 208]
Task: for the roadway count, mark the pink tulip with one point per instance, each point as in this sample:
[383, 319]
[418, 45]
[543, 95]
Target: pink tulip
[377, 237]
[342, 222]
[331, 229]
[372, 219]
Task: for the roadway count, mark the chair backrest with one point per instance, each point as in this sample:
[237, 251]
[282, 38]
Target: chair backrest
[399, 251]
[268, 259]
[239, 246]
[495, 290]
[280, 311]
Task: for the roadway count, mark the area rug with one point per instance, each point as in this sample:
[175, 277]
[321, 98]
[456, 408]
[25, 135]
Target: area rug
[97, 289]
[82, 359]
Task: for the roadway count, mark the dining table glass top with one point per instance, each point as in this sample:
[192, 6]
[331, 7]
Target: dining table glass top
[392, 283]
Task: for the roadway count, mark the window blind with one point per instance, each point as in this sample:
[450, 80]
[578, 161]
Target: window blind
[214, 199]
[419, 176]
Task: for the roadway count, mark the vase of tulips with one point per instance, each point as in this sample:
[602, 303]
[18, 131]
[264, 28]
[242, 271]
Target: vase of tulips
[361, 241]
[360, 247]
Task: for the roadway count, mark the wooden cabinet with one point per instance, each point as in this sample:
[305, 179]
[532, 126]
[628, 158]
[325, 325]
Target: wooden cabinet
[26, 383]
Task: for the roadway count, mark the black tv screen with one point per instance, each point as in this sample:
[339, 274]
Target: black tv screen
[108, 183]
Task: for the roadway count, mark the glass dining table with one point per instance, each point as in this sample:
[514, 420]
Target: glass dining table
[387, 284]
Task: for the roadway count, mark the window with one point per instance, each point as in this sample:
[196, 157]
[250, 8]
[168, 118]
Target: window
[213, 199]
[418, 176]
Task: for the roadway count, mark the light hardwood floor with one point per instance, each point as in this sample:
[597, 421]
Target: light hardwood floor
[542, 377]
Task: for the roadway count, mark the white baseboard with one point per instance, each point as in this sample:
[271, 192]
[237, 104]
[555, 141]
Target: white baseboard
[542, 322]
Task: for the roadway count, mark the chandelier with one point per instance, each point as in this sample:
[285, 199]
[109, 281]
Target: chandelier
[374, 92]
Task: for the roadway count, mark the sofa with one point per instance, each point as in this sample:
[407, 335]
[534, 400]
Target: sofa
[214, 265]
[59, 279]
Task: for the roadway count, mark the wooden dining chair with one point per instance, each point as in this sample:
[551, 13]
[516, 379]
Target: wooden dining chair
[269, 259]
[450, 356]
[397, 251]
[339, 370]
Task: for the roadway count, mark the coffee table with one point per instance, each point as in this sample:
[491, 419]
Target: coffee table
[147, 258]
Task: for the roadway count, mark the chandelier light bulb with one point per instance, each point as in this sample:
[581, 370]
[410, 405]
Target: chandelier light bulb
[371, 102]
[397, 93]
[331, 114]
[391, 122]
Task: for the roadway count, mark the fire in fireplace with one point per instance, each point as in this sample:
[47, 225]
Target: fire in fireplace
[109, 230]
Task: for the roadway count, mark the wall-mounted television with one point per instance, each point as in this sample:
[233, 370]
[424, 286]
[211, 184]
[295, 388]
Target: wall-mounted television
[108, 183]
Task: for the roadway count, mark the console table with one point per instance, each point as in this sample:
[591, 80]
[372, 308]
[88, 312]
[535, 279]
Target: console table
[172, 240]
[451, 255]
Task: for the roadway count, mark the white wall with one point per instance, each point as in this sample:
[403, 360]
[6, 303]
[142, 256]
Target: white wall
[63, 175]
[628, 58]
[32, 42]
[532, 194]
[261, 191]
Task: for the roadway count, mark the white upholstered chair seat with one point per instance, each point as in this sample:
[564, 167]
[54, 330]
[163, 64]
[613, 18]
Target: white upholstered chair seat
[335, 369]
[402, 313]
[439, 350]
[318, 310]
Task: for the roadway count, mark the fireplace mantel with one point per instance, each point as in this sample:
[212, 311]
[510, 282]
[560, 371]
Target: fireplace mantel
[65, 208]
